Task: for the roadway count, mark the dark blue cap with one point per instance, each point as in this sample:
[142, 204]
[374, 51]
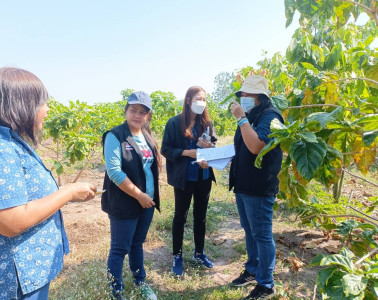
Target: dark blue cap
[140, 98]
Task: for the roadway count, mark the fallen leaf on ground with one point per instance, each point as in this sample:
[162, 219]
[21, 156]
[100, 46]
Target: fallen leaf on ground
[331, 246]
[311, 244]
[295, 263]
[278, 253]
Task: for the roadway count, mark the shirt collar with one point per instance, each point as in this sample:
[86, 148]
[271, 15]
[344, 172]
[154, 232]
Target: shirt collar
[6, 131]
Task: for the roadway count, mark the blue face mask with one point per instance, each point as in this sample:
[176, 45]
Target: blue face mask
[247, 103]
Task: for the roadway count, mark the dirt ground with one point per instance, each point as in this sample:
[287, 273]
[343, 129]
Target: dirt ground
[296, 247]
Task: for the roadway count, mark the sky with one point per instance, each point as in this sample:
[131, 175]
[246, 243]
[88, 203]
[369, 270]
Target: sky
[91, 50]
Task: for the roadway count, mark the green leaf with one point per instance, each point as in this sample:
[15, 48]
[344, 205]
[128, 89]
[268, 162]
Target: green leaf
[347, 253]
[333, 57]
[308, 156]
[289, 11]
[369, 122]
[369, 137]
[331, 169]
[280, 102]
[307, 136]
[329, 226]
[58, 167]
[227, 98]
[334, 289]
[353, 284]
[237, 85]
[324, 275]
[339, 260]
[276, 125]
[270, 146]
[319, 120]
[371, 296]
[309, 66]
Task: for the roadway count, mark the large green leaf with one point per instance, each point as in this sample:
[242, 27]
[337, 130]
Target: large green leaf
[280, 102]
[319, 120]
[308, 157]
[324, 275]
[334, 289]
[339, 260]
[353, 284]
[330, 170]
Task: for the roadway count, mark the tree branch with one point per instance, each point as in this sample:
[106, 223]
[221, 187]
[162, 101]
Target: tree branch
[312, 105]
[341, 216]
[345, 170]
[359, 4]
[51, 149]
[360, 212]
[353, 78]
[359, 152]
[314, 297]
[366, 256]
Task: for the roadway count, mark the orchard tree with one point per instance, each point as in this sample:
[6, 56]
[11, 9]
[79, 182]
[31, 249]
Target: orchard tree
[327, 89]
[223, 87]
[76, 131]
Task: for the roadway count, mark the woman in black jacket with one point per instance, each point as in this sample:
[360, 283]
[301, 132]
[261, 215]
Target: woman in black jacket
[183, 134]
[131, 191]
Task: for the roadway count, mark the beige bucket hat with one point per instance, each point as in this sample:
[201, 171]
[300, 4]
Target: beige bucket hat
[254, 84]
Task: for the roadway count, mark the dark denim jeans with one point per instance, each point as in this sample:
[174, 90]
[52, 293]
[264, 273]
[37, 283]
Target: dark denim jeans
[256, 215]
[127, 237]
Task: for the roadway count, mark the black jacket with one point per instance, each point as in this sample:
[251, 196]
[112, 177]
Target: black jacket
[116, 202]
[173, 144]
[245, 178]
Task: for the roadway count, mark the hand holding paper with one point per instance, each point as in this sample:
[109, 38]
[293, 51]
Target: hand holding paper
[217, 157]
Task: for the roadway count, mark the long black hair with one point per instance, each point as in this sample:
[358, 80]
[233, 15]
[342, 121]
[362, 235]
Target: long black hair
[264, 104]
[202, 121]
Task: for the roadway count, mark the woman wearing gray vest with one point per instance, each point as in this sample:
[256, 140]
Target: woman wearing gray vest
[255, 189]
[132, 191]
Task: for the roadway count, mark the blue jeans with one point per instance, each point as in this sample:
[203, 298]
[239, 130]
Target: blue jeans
[256, 215]
[127, 237]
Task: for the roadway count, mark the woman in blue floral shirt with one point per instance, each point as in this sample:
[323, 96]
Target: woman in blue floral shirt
[32, 236]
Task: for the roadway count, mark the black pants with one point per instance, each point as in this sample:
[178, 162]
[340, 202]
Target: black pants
[200, 190]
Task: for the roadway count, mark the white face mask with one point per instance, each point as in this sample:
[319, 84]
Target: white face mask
[198, 107]
[247, 103]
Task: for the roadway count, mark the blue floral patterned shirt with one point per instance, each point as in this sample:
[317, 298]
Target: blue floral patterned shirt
[35, 256]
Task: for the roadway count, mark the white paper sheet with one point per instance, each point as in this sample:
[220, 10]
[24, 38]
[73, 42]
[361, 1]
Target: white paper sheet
[218, 157]
[215, 153]
[219, 164]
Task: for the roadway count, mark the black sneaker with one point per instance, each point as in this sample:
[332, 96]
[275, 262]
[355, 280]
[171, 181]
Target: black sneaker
[261, 292]
[244, 279]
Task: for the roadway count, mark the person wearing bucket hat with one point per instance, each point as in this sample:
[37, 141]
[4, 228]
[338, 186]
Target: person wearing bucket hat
[131, 192]
[255, 189]
[183, 135]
